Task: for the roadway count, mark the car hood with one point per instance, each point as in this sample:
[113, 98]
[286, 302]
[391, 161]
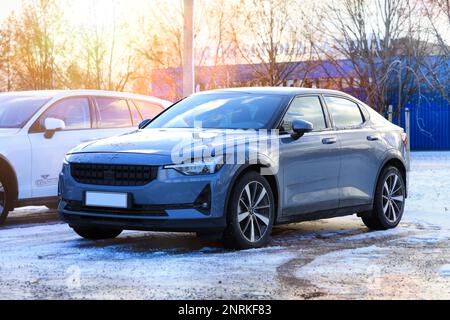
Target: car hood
[165, 141]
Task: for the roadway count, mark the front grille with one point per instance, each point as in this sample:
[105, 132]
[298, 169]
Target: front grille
[113, 175]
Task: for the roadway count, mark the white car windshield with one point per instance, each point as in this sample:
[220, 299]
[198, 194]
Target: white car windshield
[15, 111]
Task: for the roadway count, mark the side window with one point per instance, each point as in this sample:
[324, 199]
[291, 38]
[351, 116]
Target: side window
[137, 118]
[114, 113]
[75, 113]
[305, 108]
[345, 113]
[148, 110]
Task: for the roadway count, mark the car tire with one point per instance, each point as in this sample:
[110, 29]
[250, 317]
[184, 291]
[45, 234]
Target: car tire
[389, 202]
[5, 199]
[97, 233]
[250, 214]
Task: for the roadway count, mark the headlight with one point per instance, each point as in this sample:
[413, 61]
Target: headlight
[191, 169]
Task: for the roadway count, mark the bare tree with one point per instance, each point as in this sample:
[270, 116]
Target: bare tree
[6, 55]
[103, 64]
[163, 42]
[38, 42]
[384, 43]
[216, 47]
[437, 13]
[273, 40]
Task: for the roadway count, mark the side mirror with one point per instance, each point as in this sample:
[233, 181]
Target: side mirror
[52, 125]
[144, 123]
[300, 127]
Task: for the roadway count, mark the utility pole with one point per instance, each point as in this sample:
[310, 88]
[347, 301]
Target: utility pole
[188, 52]
[391, 113]
[408, 135]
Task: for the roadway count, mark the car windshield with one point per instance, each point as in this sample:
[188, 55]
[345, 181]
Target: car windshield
[15, 110]
[221, 111]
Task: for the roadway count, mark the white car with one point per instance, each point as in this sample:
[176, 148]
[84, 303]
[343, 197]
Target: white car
[38, 128]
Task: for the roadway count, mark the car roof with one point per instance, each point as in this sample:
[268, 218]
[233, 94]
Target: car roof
[283, 91]
[60, 94]
[37, 93]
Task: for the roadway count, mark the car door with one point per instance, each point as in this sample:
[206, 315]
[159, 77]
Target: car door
[361, 149]
[311, 164]
[49, 148]
[115, 116]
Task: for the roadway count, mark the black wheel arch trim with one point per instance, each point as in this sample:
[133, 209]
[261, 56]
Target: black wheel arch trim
[238, 173]
[4, 163]
[390, 155]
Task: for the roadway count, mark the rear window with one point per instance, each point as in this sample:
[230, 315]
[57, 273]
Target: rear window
[114, 113]
[345, 112]
[148, 110]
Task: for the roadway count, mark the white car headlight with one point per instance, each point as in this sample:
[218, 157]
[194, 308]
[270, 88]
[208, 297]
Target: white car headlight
[191, 169]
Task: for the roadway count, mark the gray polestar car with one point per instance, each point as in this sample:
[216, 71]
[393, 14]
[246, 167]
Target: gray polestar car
[297, 154]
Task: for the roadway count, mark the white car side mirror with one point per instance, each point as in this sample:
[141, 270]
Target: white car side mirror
[52, 124]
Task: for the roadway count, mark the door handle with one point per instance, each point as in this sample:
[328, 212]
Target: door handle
[329, 140]
[373, 138]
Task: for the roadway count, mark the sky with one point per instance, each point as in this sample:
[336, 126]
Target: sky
[90, 13]
[77, 14]
[6, 6]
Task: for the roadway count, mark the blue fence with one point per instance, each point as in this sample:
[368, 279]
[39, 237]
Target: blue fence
[430, 122]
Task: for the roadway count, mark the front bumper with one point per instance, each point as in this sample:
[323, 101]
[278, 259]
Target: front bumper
[142, 223]
[171, 202]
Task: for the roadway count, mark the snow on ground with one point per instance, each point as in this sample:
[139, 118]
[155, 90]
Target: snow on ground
[445, 270]
[41, 258]
[137, 266]
[429, 200]
[375, 268]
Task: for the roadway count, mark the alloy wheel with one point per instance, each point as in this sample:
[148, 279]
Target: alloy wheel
[393, 197]
[254, 211]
